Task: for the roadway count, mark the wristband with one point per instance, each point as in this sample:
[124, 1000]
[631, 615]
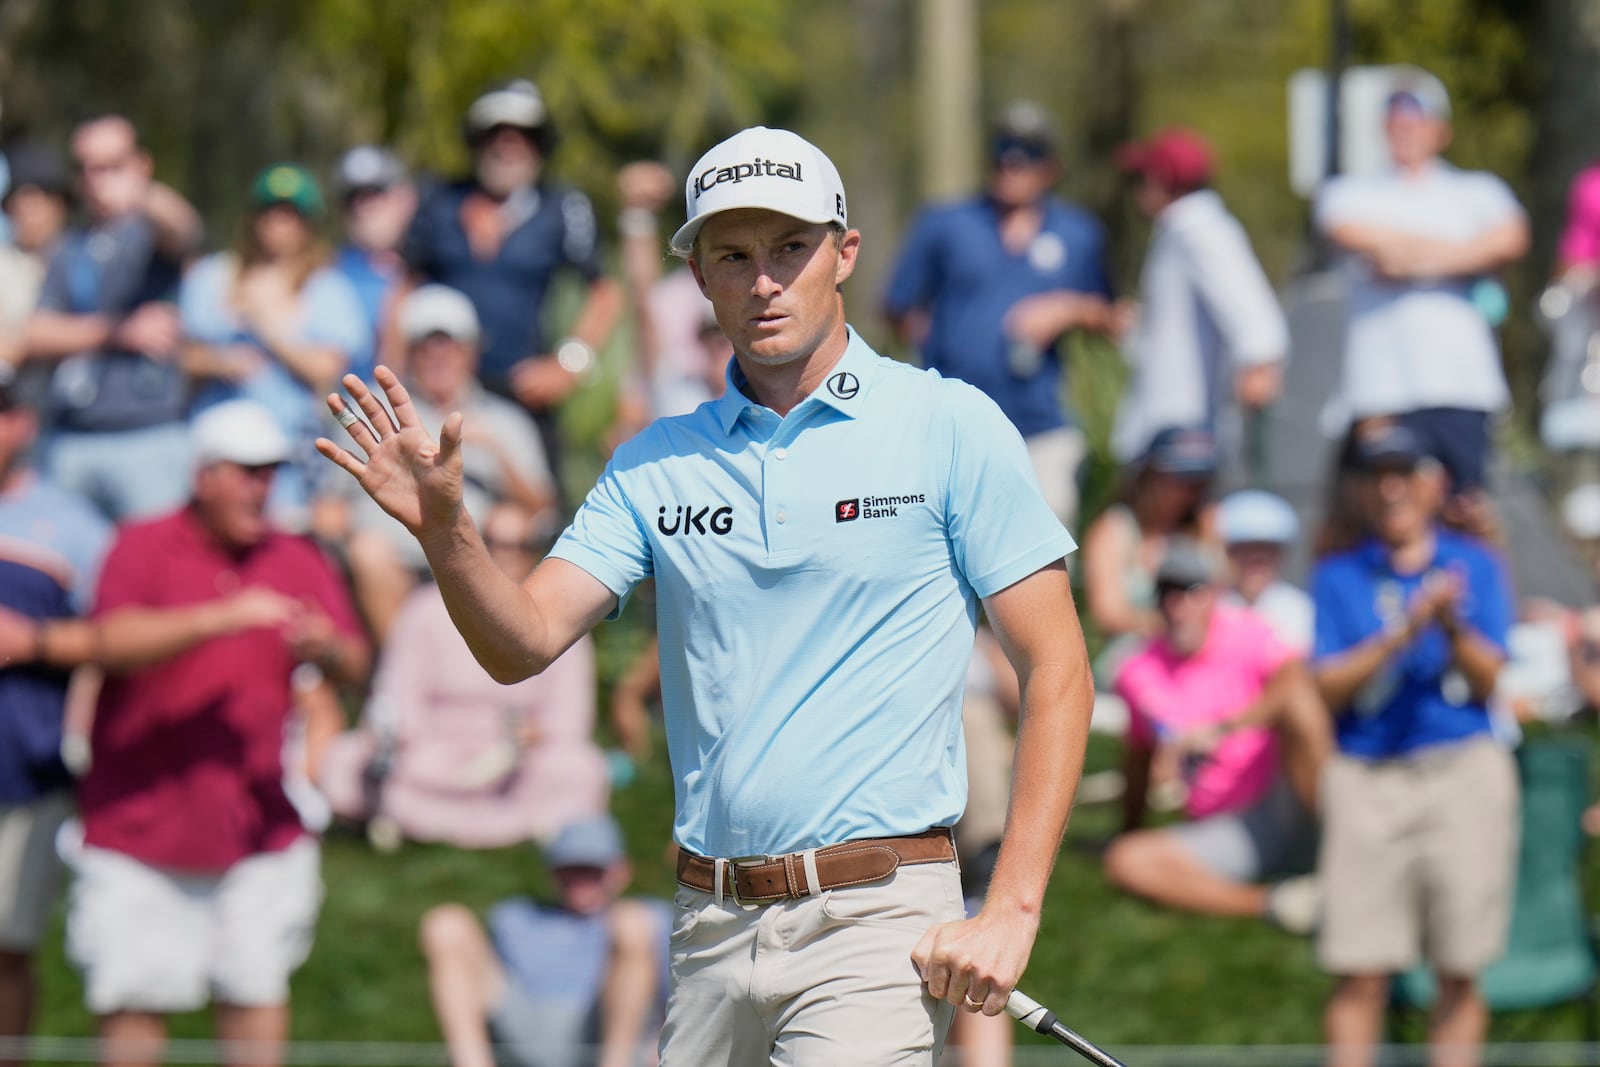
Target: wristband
[575, 356]
[37, 655]
[636, 222]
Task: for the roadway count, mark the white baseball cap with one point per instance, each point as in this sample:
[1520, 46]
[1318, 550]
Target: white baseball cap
[762, 168]
[238, 431]
[1253, 516]
[517, 103]
[435, 309]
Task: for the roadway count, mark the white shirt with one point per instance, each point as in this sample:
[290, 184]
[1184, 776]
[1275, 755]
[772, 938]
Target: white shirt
[1416, 344]
[1204, 297]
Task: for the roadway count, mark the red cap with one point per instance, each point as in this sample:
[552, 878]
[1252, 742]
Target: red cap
[1175, 157]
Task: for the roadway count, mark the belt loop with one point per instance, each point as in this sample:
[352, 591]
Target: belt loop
[719, 877]
[813, 881]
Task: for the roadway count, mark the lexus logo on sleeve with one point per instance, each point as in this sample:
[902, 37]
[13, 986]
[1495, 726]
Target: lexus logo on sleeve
[844, 385]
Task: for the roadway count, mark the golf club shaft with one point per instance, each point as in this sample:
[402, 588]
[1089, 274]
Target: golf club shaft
[1040, 1019]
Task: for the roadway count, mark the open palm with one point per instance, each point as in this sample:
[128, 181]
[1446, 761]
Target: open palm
[410, 475]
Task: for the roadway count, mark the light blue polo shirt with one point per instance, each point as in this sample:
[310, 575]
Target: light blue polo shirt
[817, 587]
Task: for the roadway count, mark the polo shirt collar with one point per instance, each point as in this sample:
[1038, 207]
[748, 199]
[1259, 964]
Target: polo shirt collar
[844, 389]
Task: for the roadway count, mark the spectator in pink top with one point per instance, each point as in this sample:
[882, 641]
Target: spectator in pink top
[1218, 691]
[1580, 237]
[447, 753]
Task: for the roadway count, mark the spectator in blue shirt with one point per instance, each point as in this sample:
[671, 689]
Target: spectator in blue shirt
[1420, 803]
[377, 201]
[987, 287]
[501, 236]
[107, 328]
[51, 543]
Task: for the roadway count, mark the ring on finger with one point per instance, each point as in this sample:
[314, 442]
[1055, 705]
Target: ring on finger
[347, 417]
[974, 1004]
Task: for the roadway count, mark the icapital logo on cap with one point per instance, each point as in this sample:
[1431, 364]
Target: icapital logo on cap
[757, 168]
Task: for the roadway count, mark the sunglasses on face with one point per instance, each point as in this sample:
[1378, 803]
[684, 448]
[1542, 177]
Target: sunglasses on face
[1167, 590]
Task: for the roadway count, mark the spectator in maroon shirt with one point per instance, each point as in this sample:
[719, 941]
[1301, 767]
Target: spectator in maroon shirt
[196, 880]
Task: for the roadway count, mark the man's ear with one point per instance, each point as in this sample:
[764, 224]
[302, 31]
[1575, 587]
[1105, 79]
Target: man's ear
[849, 249]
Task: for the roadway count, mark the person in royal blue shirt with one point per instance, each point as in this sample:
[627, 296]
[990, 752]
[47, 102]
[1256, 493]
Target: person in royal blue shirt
[501, 236]
[1420, 808]
[986, 288]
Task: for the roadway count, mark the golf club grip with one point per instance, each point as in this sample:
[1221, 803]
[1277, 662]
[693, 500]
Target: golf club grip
[1040, 1019]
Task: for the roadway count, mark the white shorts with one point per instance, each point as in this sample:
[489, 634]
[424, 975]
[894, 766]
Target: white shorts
[1056, 456]
[30, 870]
[149, 939]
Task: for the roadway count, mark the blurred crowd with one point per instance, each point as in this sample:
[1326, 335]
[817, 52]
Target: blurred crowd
[193, 602]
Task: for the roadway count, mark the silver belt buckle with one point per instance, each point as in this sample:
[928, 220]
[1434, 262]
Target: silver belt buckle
[733, 878]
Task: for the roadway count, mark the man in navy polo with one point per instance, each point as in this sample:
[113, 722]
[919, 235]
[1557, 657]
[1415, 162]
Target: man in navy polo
[821, 538]
[501, 236]
[1419, 804]
[987, 287]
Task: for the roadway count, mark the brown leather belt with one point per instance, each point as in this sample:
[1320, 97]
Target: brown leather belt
[763, 879]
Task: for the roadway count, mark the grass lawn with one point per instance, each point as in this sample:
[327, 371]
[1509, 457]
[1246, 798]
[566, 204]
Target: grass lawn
[1119, 971]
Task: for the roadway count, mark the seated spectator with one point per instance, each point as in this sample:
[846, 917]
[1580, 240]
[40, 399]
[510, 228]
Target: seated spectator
[196, 880]
[51, 542]
[271, 321]
[1420, 805]
[1234, 704]
[446, 753]
[36, 204]
[1165, 497]
[1259, 529]
[107, 333]
[501, 450]
[377, 201]
[577, 983]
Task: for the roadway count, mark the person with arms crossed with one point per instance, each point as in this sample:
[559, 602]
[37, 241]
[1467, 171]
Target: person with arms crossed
[820, 538]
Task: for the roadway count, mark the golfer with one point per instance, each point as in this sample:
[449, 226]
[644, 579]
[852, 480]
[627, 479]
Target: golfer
[821, 538]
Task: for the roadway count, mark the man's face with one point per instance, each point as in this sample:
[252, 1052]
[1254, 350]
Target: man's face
[232, 502]
[1396, 503]
[1186, 610]
[508, 534]
[1414, 137]
[113, 171]
[441, 366]
[1256, 565]
[589, 890]
[773, 281]
[282, 231]
[505, 160]
[37, 217]
[1020, 178]
[1151, 196]
[376, 219]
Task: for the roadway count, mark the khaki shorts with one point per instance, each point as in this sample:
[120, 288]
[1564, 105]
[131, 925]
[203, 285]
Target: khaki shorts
[1056, 456]
[1418, 860]
[149, 939]
[30, 869]
[817, 982]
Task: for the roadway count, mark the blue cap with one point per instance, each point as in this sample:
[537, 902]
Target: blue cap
[595, 842]
[1187, 452]
[1390, 447]
[1257, 516]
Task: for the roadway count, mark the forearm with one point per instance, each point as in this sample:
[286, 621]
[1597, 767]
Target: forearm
[599, 315]
[496, 616]
[128, 639]
[1056, 703]
[1496, 248]
[1340, 678]
[55, 334]
[317, 366]
[1477, 659]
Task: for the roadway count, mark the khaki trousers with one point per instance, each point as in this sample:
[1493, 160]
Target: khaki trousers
[817, 982]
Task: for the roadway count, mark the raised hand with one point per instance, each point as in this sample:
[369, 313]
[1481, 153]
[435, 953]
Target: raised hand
[410, 475]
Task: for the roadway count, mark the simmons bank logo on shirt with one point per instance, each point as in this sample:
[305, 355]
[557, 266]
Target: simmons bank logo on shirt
[875, 507]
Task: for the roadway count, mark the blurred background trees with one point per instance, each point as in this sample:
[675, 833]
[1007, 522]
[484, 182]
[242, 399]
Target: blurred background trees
[222, 87]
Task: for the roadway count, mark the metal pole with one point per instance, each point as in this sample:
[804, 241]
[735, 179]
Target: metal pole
[947, 62]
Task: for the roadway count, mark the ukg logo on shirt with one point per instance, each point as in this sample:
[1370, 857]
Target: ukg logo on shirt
[688, 519]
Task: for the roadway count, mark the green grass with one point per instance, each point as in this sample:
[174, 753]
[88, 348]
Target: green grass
[1118, 970]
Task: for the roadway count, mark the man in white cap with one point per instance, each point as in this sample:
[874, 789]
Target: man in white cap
[196, 881]
[1259, 529]
[502, 236]
[821, 538]
[504, 457]
[377, 200]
